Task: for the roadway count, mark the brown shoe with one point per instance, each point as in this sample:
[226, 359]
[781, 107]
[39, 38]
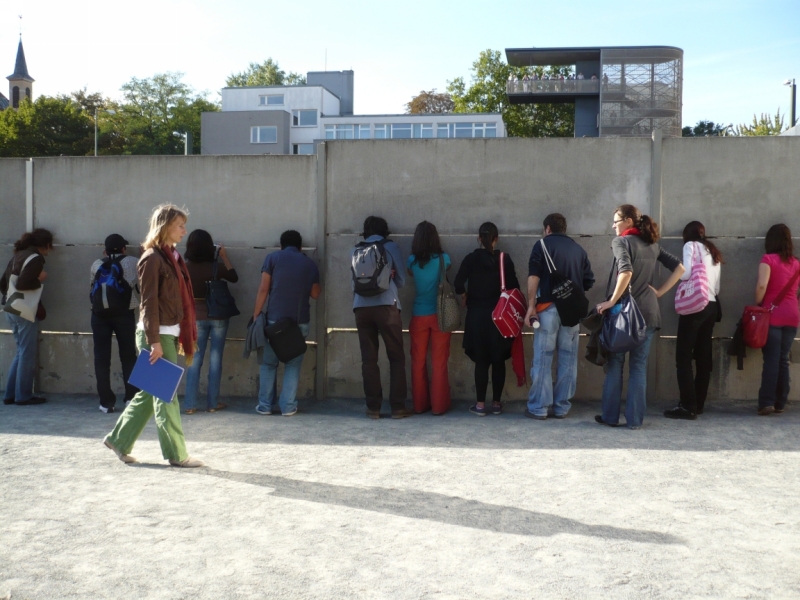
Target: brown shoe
[126, 458]
[401, 413]
[767, 410]
[188, 463]
[779, 410]
[373, 414]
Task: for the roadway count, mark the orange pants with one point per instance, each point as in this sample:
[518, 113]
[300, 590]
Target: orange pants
[436, 396]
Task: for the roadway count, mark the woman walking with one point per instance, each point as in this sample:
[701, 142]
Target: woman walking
[695, 329]
[636, 252]
[778, 281]
[203, 265]
[425, 266]
[27, 265]
[478, 280]
[167, 326]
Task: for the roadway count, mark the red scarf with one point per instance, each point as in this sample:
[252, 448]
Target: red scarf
[188, 335]
[631, 231]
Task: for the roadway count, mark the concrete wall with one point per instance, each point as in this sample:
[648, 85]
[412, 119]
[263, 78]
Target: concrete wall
[737, 187]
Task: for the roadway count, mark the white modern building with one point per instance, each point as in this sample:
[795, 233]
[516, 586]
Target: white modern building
[291, 119]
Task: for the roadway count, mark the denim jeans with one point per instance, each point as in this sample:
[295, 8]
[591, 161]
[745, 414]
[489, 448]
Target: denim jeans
[124, 327]
[215, 330]
[19, 386]
[636, 402]
[775, 373]
[268, 372]
[545, 339]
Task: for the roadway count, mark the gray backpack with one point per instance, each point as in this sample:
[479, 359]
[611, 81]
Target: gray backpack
[371, 268]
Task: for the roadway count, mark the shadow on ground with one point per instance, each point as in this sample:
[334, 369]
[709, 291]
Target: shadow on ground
[729, 426]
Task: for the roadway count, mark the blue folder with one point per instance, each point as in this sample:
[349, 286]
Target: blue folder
[160, 379]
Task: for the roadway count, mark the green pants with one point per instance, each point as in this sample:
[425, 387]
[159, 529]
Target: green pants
[131, 423]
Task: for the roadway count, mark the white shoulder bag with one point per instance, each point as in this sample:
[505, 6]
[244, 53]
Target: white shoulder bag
[22, 303]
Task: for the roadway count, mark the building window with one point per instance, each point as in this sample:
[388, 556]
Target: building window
[423, 130]
[463, 130]
[271, 100]
[302, 148]
[362, 132]
[490, 130]
[381, 132]
[441, 130]
[401, 131]
[339, 132]
[15, 97]
[304, 118]
[263, 135]
[28, 93]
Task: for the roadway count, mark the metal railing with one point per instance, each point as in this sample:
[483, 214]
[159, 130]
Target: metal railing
[553, 86]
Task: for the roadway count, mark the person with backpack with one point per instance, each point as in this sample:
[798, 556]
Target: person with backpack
[21, 289]
[166, 328]
[377, 272]
[636, 254]
[114, 295]
[479, 283]
[425, 265]
[288, 279]
[696, 303]
[777, 287]
[559, 275]
[202, 262]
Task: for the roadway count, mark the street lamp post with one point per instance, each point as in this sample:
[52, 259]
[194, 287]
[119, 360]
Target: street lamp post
[793, 104]
[110, 112]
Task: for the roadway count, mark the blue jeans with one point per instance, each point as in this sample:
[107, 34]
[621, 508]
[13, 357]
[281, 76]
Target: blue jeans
[636, 402]
[19, 386]
[775, 373]
[214, 329]
[268, 372]
[545, 339]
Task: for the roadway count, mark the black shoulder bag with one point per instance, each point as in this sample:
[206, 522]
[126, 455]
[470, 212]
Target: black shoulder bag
[219, 300]
[624, 327]
[570, 300]
[285, 338]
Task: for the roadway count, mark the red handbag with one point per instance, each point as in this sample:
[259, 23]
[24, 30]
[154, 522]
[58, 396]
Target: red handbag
[755, 319]
[509, 314]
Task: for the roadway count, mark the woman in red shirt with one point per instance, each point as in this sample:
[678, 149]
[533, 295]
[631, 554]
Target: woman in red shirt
[779, 270]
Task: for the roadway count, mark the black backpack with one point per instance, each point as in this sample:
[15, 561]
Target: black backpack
[371, 268]
[110, 294]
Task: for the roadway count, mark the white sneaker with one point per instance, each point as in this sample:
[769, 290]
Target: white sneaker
[263, 411]
[290, 414]
[106, 410]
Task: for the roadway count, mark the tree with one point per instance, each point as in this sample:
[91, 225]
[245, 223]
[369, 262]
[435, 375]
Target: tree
[430, 102]
[705, 129]
[266, 73]
[766, 125]
[47, 127]
[487, 93]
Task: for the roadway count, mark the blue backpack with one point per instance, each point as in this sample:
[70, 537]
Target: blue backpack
[110, 294]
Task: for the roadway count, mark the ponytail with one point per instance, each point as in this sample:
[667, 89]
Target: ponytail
[488, 234]
[38, 238]
[647, 227]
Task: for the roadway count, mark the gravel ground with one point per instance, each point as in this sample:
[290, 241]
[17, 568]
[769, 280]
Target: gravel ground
[329, 504]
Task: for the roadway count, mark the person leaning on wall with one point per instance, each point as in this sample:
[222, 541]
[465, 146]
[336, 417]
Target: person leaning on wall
[25, 271]
[695, 330]
[288, 279]
[166, 327]
[778, 271]
[478, 281]
[425, 266]
[636, 252]
[202, 263]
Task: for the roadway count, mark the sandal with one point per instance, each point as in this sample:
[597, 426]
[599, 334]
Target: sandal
[219, 406]
[190, 411]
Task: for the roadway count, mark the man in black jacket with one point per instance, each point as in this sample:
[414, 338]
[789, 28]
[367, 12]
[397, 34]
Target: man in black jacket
[571, 262]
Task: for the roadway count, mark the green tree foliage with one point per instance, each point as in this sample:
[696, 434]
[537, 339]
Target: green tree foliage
[704, 129]
[266, 73]
[46, 127]
[766, 125]
[430, 102]
[487, 93]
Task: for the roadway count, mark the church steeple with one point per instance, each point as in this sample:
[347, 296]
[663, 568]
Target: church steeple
[20, 82]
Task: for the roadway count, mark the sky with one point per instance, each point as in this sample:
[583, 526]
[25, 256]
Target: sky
[737, 54]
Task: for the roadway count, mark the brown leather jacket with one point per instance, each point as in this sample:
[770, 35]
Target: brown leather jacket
[161, 293]
[28, 278]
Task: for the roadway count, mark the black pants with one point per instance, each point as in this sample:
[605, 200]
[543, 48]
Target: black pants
[482, 379]
[383, 321]
[124, 327]
[694, 342]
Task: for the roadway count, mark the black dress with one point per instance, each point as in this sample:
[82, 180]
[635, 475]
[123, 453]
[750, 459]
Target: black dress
[479, 276]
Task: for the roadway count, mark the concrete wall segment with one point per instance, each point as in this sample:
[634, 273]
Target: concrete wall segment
[12, 199]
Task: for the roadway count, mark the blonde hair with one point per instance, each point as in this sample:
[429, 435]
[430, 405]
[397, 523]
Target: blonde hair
[163, 217]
